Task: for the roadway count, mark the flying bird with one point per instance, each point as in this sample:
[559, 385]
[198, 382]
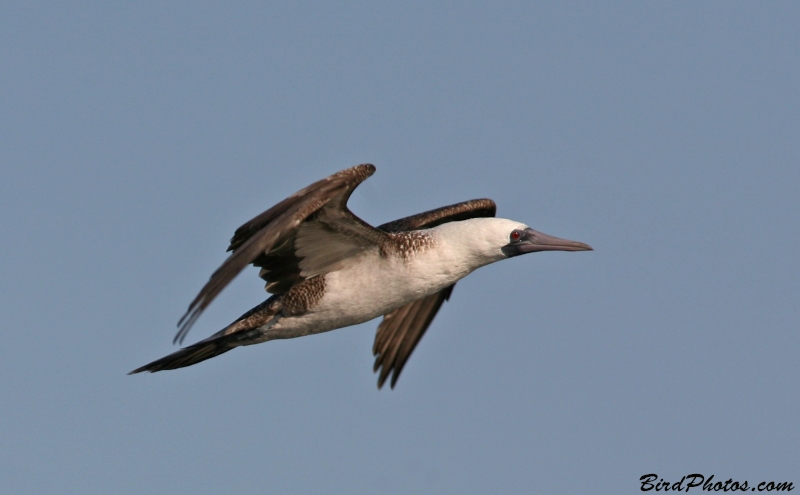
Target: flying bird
[327, 269]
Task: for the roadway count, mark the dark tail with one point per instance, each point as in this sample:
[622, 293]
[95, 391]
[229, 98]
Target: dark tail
[188, 356]
[243, 331]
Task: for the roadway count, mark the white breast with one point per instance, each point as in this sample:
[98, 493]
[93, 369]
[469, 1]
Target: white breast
[377, 285]
[370, 285]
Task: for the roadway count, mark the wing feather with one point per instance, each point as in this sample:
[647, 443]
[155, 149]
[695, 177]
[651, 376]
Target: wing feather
[273, 232]
[322, 248]
[400, 332]
[460, 211]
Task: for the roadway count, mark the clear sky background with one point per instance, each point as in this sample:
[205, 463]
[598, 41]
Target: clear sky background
[135, 137]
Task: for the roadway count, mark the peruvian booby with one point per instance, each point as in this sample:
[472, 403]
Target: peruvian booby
[327, 269]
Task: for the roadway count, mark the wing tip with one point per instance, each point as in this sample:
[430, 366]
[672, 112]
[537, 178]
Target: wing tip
[382, 377]
[357, 174]
[185, 324]
[367, 167]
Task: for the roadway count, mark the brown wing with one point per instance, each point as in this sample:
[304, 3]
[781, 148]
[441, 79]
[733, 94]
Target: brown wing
[269, 239]
[460, 211]
[401, 330]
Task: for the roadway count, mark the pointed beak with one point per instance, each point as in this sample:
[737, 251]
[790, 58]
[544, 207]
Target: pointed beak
[533, 241]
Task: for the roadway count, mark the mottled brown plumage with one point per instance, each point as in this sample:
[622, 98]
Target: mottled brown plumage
[303, 296]
[408, 244]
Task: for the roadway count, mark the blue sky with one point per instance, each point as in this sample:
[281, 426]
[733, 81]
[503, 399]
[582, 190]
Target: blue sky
[134, 139]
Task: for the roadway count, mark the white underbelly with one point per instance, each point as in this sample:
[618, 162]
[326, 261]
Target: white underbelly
[364, 291]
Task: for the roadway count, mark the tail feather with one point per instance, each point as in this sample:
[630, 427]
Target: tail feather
[248, 329]
[187, 356]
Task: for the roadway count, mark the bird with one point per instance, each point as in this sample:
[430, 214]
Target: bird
[327, 269]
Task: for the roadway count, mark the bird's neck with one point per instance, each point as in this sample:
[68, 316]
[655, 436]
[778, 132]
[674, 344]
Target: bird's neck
[459, 249]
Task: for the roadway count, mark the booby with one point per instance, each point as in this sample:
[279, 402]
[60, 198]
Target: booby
[327, 269]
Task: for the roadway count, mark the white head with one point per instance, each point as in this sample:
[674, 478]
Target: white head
[486, 240]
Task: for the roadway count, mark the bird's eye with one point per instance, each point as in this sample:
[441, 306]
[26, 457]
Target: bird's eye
[516, 235]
